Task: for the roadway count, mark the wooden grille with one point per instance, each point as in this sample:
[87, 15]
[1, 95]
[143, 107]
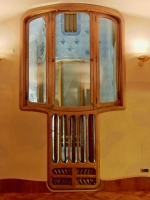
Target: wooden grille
[70, 22]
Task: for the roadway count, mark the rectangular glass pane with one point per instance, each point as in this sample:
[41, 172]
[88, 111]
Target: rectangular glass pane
[72, 80]
[82, 138]
[64, 138]
[37, 60]
[107, 50]
[55, 138]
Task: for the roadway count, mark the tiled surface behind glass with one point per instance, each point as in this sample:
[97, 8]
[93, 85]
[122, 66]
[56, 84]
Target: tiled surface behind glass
[107, 60]
[75, 46]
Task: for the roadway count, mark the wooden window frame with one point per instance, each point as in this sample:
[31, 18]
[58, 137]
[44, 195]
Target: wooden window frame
[49, 12]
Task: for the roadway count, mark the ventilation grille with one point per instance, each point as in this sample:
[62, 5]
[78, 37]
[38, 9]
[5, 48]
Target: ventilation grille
[73, 139]
[70, 22]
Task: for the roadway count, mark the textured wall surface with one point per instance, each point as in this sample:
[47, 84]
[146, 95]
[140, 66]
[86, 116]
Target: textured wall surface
[23, 145]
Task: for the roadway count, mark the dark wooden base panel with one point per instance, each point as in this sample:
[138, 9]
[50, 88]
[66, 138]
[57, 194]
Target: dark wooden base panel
[127, 184]
[28, 186]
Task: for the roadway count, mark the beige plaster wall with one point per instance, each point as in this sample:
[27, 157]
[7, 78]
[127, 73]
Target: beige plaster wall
[124, 135]
[23, 144]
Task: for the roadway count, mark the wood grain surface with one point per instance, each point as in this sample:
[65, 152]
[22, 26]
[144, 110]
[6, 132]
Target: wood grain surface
[29, 186]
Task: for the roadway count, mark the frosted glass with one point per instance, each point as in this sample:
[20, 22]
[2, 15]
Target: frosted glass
[37, 60]
[107, 49]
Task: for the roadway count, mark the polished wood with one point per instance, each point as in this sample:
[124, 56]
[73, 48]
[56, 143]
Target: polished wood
[79, 195]
[135, 184]
[25, 186]
[127, 184]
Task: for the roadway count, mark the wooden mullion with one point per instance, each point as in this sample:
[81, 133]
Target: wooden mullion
[69, 139]
[87, 139]
[78, 138]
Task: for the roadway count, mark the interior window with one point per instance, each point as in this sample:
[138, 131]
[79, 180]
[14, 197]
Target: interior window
[72, 65]
[72, 69]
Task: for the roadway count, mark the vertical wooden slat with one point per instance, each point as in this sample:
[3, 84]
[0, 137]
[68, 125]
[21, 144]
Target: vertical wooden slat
[73, 137]
[74, 22]
[69, 133]
[66, 22]
[59, 138]
[55, 138]
[71, 22]
[94, 138]
[85, 141]
[57, 121]
[91, 138]
[62, 138]
[87, 138]
[82, 139]
[53, 135]
[65, 136]
[78, 139]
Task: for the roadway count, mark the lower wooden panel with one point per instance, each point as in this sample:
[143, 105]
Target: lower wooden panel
[27, 186]
[22, 186]
[127, 184]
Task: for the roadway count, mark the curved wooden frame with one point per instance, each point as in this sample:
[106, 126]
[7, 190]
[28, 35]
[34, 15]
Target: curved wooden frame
[49, 13]
[95, 108]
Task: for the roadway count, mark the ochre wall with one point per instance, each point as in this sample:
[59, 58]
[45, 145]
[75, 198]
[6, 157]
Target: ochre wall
[23, 135]
[124, 135]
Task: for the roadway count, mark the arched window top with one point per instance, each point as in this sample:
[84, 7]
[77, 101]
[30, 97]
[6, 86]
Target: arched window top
[72, 59]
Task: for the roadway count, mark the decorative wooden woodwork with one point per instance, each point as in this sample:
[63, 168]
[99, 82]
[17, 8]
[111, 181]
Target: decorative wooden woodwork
[72, 88]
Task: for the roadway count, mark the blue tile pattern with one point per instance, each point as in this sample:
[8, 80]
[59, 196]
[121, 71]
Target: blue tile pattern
[76, 41]
[73, 46]
[62, 41]
[107, 61]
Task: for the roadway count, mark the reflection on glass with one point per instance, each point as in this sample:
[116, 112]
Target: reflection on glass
[72, 83]
[37, 61]
[82, 138]
[92, 133]
[72, 79]
[73, 139]
[107, 49]
[55, 138]
[64, 138]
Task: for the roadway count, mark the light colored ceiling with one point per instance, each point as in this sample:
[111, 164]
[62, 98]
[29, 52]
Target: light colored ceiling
[10, 8]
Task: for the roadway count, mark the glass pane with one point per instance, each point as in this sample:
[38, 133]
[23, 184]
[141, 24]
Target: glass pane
[107, 49]
[55, 138]
[82, 138]
[64, 138]
[72, 81]
[37, 60]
